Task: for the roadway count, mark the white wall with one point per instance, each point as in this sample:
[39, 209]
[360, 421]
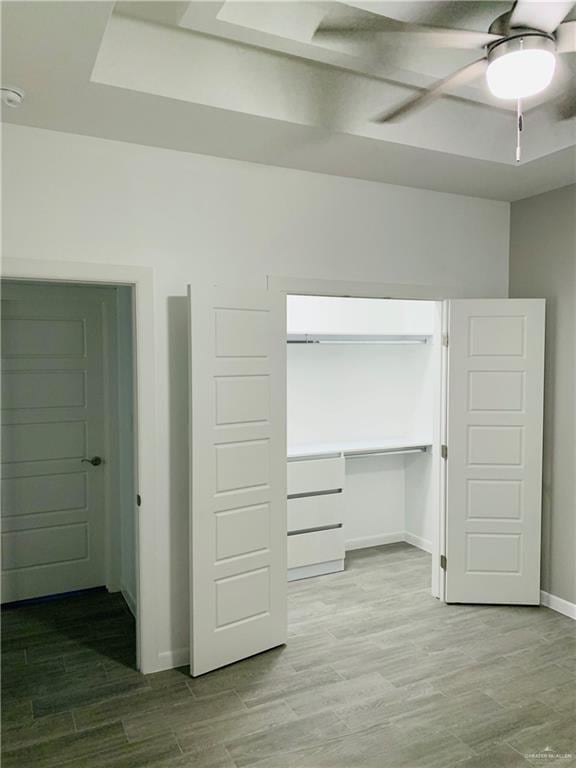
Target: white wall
[349, 393]
[420, 518]
[191, 218]
[344, 315]
[374, 501]
[543, 265]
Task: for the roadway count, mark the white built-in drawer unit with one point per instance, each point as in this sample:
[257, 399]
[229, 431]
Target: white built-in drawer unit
[315, 514]
[316, 547]
[314, 475]
[318, 511]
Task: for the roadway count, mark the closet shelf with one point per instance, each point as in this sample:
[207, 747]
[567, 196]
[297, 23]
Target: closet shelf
[329, 338]
[358, 449]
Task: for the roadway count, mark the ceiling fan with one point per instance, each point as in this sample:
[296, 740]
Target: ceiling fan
[520, 50]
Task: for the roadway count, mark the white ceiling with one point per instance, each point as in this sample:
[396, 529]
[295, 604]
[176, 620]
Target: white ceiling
[245, 80]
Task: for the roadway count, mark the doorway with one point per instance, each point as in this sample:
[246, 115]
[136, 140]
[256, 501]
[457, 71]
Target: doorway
[69, 525]
[363, 417]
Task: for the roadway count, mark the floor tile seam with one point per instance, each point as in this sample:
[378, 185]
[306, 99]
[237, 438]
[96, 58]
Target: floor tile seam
[233, 688]
[298, 693]
[223, 742]
[105, 700]
[503, 739]
[122, 718]
[317, 745]
[338, 713]
[31, 743]
[67, 763]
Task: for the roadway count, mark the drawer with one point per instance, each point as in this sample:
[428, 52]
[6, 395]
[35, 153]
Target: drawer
[316, 547]
[315, 511]
[309, 476]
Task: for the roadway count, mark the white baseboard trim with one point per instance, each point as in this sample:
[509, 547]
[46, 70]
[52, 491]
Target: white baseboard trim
[130, 601]
[170, 659]
[558, 604]
[389, 538]
[418, 542]
[374, 541]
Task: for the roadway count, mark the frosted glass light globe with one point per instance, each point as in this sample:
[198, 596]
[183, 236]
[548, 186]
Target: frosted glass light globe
[521, 73]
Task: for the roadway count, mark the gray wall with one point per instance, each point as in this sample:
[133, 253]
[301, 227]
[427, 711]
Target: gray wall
[543, 264]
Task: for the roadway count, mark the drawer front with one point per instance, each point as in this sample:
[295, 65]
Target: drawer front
[315, 511]
[317, 547]
[315, 475]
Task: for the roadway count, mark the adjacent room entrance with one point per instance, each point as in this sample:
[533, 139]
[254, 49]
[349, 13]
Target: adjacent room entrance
[69, 495]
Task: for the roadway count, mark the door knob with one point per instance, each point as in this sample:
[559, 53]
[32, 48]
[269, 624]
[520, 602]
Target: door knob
[95, 461]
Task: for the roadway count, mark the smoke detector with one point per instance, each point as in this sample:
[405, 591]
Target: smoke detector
[12, 97]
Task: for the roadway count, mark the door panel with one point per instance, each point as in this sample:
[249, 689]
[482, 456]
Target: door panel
[238, 484]
[494, 437]
[53, 514]
[36, 547]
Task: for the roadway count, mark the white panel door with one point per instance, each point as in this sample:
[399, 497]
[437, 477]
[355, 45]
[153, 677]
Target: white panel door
[53, 511]
[238, 476]
[494, 437]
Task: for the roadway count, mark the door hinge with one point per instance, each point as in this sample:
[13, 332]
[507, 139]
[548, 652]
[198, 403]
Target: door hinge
[138, 500]
[443, 562]
[444, 451]
[444, 339]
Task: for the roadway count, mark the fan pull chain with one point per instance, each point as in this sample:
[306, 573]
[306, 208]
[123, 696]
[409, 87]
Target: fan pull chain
[519, 129]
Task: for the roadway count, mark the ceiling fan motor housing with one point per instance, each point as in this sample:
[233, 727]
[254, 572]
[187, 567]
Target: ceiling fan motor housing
[521, 64]
[531, 39]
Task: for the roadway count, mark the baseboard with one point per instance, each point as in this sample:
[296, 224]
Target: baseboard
[374, 541]
[171, 659]
[130, 601]
[417, 541]
[389, 538]
[558, 604]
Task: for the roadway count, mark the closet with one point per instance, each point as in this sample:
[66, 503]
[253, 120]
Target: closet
[363, 384]
[367, 391]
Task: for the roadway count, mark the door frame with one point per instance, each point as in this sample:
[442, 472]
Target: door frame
[141, 280]
[114, 370]
[284, 286]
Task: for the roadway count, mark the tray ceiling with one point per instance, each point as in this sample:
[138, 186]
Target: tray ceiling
[247, 80]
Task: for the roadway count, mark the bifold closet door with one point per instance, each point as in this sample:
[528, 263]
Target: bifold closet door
[238, 475]
[494, 439]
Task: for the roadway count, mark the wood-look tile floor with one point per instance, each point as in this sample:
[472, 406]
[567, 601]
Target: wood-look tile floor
[377, 674]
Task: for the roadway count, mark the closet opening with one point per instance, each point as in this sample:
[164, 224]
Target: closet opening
[364, 415]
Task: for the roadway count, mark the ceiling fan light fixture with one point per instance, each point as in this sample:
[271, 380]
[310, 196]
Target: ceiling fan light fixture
[521, 66]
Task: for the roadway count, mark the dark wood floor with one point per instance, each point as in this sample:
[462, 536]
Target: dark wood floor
[377, 674]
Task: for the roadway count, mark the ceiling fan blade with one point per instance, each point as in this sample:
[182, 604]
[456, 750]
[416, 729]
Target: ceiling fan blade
[460, 14]
[544, 15]
[461, 77]
[371, 27]
[565, 106]
[562, 103]
[566, 37]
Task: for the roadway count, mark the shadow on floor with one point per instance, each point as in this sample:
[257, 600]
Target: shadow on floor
[93, 627]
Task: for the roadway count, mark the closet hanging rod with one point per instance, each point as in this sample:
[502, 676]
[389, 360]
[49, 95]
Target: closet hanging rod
[392, 451]
[295, 338]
